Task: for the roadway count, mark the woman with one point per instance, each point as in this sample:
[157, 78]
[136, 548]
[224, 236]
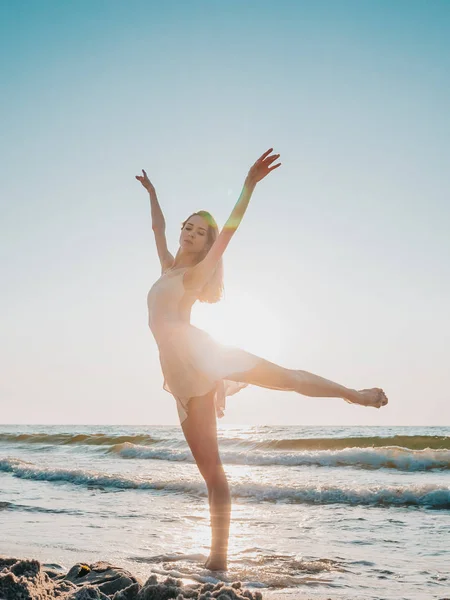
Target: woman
[198, 371]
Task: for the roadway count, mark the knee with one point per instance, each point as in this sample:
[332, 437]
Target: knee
[214, 475]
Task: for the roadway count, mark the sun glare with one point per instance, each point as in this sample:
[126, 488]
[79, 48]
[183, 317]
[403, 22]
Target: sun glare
[241, 320]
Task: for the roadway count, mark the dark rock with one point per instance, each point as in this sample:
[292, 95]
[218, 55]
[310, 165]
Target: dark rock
[207, 587]
[116, 585]
[106, 577]
[26, 568]
[159, 592]
[129, 593]
[152, 580]
[87, 592]
[28, 580]
[6, 562]
[101, 566]
[52, 573]
[24, 580]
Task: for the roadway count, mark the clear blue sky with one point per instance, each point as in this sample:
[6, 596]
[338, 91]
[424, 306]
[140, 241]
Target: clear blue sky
[342, 263]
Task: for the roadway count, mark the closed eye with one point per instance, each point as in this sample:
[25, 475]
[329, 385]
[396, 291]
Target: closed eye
[201, 232]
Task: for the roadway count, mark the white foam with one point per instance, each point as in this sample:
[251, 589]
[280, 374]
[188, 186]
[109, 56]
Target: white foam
[431, 495]
[365, 458]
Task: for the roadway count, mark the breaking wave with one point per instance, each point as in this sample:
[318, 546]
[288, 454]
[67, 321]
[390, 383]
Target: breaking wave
[363, 458]
[430, 496]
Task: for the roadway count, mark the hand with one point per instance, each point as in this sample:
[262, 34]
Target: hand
[262, 167]
[145, 181]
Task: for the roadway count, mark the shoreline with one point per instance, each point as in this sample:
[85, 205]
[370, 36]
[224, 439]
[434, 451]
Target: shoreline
[101, 580]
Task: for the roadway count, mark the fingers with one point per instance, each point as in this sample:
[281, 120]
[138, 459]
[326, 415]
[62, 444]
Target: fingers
[143, 177]
[263, 156]
[270, 159]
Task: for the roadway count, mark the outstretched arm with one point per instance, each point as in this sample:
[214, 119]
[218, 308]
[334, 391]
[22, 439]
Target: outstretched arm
[158, 223]
[196, 277]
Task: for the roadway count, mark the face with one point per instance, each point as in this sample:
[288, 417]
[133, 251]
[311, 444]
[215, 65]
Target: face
[194, 234]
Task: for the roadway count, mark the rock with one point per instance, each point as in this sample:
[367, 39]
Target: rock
[29, 580]
[87, 592]
[129, 593]
[106, 577]
[6, 562]
[25, 580]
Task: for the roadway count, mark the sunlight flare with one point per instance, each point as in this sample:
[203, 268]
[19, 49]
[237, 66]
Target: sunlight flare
[242, 320]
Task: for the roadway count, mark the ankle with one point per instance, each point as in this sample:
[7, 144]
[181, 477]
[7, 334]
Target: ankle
[218, 550]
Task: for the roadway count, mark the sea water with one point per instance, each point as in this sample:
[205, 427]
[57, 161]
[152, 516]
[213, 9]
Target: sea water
[341, 512]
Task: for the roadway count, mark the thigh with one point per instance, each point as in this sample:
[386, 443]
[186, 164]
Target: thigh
[267, 374]
[200, 431]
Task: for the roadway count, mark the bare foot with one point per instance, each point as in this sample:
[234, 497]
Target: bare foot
[216, 562]
[374, 397]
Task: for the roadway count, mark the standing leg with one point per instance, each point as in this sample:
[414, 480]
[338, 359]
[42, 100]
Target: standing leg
[270, 375]
[200, 431]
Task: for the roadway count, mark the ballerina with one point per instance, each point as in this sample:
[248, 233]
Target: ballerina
[198, 371]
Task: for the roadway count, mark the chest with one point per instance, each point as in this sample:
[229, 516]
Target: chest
[168, 291]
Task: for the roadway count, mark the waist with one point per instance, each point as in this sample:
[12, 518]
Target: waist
[164, 329]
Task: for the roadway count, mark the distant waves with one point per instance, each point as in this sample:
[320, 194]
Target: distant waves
[363, 458]
[399, 452]
[412, 442]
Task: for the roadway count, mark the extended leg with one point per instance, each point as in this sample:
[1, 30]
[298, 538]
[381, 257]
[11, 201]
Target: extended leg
[270, 375]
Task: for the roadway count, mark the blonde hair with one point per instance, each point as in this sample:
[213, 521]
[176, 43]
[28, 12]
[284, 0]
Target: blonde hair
[212, 291]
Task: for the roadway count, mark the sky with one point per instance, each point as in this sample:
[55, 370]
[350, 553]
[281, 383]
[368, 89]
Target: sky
[341, 265]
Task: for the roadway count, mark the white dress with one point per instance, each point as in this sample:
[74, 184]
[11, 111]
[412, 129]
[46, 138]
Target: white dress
[193, 363]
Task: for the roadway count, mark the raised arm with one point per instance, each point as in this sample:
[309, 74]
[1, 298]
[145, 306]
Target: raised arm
[196, 277]
[158, 223]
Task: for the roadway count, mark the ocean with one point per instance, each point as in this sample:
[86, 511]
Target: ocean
[327, 512]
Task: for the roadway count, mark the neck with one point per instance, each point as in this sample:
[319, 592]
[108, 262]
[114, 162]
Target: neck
[184, 260]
